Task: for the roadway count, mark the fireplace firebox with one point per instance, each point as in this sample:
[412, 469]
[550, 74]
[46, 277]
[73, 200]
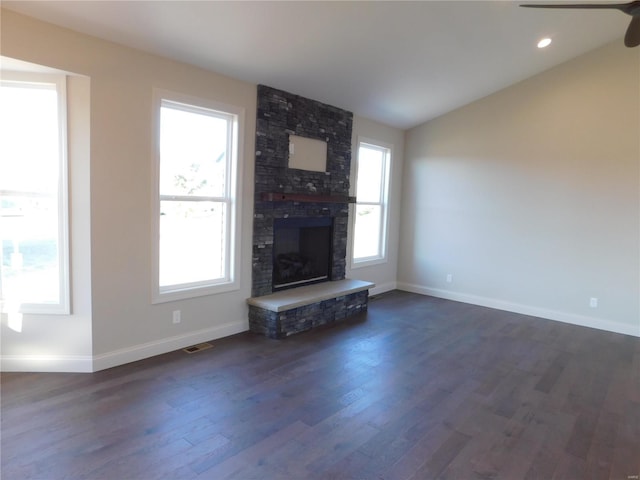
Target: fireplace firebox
[301, 251]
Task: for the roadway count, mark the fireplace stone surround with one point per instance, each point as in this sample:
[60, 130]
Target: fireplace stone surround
[282, 192]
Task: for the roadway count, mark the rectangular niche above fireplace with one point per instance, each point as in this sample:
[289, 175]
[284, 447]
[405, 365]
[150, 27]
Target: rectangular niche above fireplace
[301, 251]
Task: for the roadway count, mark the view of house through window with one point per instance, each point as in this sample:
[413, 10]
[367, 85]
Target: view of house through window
[33, 216]
[196, 180]
[370, 217]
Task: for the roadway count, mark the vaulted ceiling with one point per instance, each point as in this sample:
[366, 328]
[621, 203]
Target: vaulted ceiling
[400, 63]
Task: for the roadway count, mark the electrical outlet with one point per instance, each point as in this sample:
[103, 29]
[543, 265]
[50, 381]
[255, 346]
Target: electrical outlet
[449, 278]
[593, 302]
[176, 316]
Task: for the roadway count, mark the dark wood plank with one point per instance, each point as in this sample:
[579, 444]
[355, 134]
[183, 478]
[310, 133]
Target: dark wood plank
[418, 387]
[442, 456]
[626, 454]
[581, 437]
[554, 371]
[600, 456]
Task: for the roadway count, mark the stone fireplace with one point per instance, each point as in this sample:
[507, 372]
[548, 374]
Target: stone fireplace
[310, 210]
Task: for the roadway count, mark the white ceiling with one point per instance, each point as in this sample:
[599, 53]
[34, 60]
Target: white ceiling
[400, 63]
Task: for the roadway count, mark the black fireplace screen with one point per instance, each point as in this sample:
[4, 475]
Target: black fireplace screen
[301, 251]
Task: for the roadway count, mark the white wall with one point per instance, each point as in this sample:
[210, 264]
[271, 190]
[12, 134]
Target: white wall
[62, 342]
[382, 274]
[123, 324]
[530, 198]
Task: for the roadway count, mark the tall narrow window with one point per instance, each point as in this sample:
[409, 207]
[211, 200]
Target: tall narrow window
[33, 194]
[197, 169]
[370, 219]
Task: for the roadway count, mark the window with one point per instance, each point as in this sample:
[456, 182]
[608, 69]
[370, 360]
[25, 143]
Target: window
[34, 273]
[196, 201]
[370, 219]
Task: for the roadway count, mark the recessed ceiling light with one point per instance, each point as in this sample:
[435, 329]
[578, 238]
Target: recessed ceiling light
[545, 42]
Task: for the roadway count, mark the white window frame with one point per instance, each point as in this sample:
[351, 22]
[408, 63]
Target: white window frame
[382, 256]
[63, 305]
[232, 197]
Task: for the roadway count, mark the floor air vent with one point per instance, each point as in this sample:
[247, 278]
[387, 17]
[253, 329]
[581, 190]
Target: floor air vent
[197, 348]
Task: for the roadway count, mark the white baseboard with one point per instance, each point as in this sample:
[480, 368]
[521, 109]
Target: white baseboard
[139, 352]
[165, 345]
[87, 363]
[46, 363]
[581, 320]
[385, 287]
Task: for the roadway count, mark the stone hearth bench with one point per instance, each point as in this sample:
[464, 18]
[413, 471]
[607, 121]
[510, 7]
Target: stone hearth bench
[299, 309]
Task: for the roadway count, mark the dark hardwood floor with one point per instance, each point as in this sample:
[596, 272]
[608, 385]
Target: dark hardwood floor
[419, 388]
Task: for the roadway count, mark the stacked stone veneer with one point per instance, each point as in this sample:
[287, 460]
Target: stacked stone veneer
[279, 115]
[282, 324]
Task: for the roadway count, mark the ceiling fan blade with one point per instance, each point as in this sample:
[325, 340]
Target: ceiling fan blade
[632, 37]
[623, 7]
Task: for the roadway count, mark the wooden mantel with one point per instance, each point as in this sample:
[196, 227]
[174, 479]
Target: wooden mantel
[302, 197]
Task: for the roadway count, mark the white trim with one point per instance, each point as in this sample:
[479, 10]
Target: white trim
[368, 263]
[47, 363]
[235, 161]
[385, 287]
[88, 364]
[186, 291]
[384, 204]
[63, 199]
[581, 320]
[58, 82]
[166, 345]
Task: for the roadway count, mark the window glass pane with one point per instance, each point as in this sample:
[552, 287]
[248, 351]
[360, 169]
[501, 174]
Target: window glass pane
[366, 242]
[30, 162]
[30, 265]
[196, 161]
[30, 138]
[370, 167]
[192, 242]
[193, 153]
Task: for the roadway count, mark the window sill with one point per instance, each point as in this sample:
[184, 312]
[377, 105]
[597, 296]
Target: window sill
[368, 263]
[193, 292]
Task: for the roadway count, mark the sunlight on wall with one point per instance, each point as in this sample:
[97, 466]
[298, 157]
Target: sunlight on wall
[14, 318]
